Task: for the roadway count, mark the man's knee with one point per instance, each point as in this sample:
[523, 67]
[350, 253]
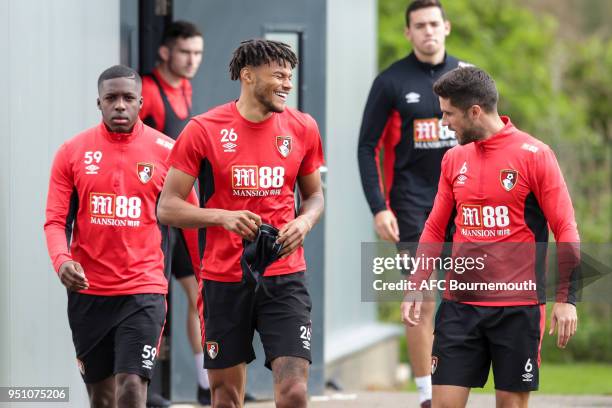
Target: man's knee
[290, 381]
[225, 396]
[131, 390]
[102, 398]
[508, 399]
[292, 393]
[445, 402]
[102, 394]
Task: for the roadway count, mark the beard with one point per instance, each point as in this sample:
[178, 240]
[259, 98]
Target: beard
[180, 71]
[470, 135]
[263, 97]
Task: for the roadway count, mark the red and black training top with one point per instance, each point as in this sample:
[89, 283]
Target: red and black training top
[165, 108]
[503, 193]
[244, 165]
[403, 116]
[101, 208]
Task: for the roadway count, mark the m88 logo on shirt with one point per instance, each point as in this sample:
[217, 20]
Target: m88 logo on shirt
[484, 221]
[256, 181]
[114, 210]
[430, 134]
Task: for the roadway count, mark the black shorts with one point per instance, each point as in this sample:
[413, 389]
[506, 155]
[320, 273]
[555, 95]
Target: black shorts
[116, 334]
[469, 338]
[180, 261]
[232, 311]
[411, 223]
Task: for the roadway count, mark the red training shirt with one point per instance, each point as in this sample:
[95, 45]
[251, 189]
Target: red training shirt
[152, 104]
[242, 165]
[504, 189]
[108, 184]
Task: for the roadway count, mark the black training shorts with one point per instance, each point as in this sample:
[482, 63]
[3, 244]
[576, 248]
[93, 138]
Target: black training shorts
[469, 338]
[233, 310]
[180, 260]
[116, 334]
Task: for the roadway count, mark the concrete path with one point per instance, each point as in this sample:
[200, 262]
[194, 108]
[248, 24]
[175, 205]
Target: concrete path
[405, 399]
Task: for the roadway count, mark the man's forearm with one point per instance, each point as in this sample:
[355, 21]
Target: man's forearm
[177, 212]
[312, 207]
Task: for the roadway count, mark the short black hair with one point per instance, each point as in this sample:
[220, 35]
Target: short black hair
[421, 4]
[468, 86]
[119, 71]
[258, 52]
[179, 29]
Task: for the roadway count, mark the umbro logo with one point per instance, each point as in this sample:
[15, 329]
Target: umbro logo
[462, 177]
[413, 97]
[229, 147]
[92, 169]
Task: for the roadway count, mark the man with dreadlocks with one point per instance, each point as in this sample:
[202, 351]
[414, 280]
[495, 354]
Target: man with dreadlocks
[248, 156]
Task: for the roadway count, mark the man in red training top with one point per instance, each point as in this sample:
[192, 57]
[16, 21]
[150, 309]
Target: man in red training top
[166, 106]
[501, 186]
[106, 245]
[248, 156]
[167, 90]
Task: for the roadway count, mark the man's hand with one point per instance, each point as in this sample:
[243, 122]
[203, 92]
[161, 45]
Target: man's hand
[243, 223]
[565, 320]
[72, 276]
[412, 303]
[385, 225]
[292, 235]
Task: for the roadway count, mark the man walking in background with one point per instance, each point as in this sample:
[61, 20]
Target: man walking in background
[403, 117]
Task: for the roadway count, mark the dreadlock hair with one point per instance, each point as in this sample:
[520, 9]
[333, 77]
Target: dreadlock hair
[258, 52]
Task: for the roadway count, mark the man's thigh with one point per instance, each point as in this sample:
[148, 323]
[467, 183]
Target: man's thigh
[515, 341]
[228, 323]
[138, 335]
[460, 355]
[92, 322]
[283, 319]
[449, 396]
[98, 364]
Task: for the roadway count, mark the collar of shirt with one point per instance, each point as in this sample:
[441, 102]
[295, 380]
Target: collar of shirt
[427, 66]
[498, 140]
[122, 137]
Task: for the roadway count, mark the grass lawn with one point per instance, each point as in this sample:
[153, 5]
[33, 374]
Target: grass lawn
[571, 378]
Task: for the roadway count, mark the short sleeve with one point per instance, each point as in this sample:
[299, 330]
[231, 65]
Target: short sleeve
[189, 150]
[313, 156]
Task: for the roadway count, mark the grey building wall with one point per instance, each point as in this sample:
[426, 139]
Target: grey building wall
[350, 69]
[52, 53]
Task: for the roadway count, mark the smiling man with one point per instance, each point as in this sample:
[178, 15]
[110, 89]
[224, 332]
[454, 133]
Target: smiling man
[248, 156]
[403, 117]
[105, 243]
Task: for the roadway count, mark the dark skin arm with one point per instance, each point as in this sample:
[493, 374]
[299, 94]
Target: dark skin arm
[293, 233]
[72, 276]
